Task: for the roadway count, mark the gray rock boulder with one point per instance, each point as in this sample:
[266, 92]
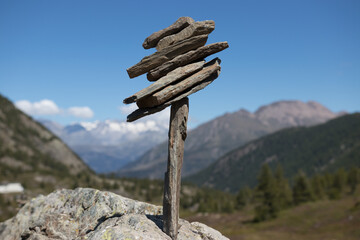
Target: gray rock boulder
[86, 213]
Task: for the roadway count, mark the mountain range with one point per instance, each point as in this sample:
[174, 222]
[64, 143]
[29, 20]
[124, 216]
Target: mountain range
[36, 159]
[108, 145]
[217, 137]
[41, 162]
[317, 149]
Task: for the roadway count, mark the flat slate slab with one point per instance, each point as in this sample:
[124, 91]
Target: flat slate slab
[177, 26]
[194, 29]
[186, 58]
[168, 53]
[171, 77]
[142, 112]
[173, 90]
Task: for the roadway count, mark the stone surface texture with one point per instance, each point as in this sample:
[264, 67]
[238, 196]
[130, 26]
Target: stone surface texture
[186, 58]
[171, 77]
[173, 90]
[141, 112]
[177, 26]
[194, 29]
[156, 59]
[86, 213]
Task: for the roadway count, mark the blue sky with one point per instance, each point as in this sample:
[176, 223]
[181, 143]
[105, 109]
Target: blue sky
[75, 53]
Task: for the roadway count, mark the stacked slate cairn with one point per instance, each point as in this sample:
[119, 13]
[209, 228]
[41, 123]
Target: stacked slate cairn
[178, 68]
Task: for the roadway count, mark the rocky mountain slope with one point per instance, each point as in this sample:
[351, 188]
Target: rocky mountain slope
[213, 139]
[86, 213]
[321, 148]
[26, 146]
[33, 157]
[37, 159]
[111, 144]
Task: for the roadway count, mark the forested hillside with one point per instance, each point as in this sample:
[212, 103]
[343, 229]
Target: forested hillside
[317, 149]
[217, 137]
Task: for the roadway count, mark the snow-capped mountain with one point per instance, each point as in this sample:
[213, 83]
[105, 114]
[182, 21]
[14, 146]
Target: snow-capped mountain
[108, 145]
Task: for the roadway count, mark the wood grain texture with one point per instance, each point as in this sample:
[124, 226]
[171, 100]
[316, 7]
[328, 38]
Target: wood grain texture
[171, 77]
[173, 90]
[156, 59]
[177, 26]
[186, 58]
[172, 182]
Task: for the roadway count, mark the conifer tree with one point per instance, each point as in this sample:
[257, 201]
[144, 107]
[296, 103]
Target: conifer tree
[228, 206]
[266, 195]
[243, 197]
[283, 188]
[339, 183]
[328, 180]
[302, 191]
[353, 179]
[318, 185]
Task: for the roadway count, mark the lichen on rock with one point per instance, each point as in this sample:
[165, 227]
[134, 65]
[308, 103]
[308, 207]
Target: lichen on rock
[86, 213]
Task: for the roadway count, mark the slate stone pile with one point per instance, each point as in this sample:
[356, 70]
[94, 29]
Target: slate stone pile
[178, 68]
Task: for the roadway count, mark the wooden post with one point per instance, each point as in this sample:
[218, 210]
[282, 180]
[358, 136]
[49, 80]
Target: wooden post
[172, 183]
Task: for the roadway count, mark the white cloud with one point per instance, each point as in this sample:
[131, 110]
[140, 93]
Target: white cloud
[158, 122]
[127, 109]
[132, 128]
[81, 112]
[43, 107]
[49, 107]
[161, 118]
[90, 125]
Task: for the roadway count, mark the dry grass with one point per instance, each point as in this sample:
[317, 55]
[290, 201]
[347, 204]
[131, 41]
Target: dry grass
[322, 220]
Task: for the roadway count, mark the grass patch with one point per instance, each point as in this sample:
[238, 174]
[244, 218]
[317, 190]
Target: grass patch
[328, 219]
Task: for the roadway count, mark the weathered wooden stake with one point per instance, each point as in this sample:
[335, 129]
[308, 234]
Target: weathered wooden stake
[172, 184]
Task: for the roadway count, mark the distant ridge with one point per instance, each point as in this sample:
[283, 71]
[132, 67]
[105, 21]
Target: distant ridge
[110, 144]
[26, 144]
[320, 148]
[214, 138]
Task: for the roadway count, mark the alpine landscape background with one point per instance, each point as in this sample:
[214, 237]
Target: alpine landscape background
[273, 144]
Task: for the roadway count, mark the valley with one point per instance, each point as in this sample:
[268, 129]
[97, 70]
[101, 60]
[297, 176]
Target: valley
[318, 149]
[213, 139]
[41, 162]
[335, 219]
